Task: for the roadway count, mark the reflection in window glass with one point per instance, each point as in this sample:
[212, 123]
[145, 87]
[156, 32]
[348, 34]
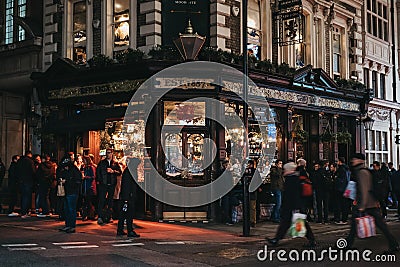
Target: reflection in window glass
[79, 28]
[371, 140]
[121, 23]
[384, 141]
[385, 158]
[378, 144]
[184, 113]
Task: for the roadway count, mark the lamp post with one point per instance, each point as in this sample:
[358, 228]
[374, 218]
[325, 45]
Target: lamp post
[368, 124]
[189, 43]
[246, 195]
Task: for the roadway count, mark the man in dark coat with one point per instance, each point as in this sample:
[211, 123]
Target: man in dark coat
[276, 188]
[13, 186]
[106, 173]
[2, 172]
[25, 171]
[342, 204]
[127, 195]
[367, 203]
[69, 175]
[46, 174]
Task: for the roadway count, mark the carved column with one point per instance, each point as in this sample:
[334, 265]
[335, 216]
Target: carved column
[290, 142]
[335, 144]
[320, 131]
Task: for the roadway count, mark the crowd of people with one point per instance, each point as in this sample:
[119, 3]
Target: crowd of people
[74, 185]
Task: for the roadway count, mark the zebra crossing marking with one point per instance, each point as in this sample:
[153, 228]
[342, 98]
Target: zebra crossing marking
[117, 241]
[70, 243]
[170, 243]
[19, 245]
[25, 248]
[128, 244]
[85, 246]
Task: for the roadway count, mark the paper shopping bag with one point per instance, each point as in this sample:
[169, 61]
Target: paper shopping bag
[365, 226]
[298, 227]
[350, 191]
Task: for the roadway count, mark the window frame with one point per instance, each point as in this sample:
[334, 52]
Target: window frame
[377, 17]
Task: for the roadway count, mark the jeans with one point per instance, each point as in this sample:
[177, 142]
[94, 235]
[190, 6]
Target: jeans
[277, 208]
[322, 205]
[106, 195]
[43, 198]
[26, 198]
[70, 210]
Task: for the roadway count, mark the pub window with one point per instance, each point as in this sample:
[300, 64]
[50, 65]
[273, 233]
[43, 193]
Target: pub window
[254, 29]
[79, 32]
[336, 52]
[121, 23]
[382, 86]
[14, 8]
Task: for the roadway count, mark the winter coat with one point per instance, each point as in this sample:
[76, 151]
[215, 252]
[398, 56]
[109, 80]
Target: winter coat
[12, 175]
[102, 175]
[25, 171]
[89, 181]
[341, 180]
[46, 173]
[72, 176]
[320, 181]
[364, 195]
[2, 172]
[276, 178]
[292, 199]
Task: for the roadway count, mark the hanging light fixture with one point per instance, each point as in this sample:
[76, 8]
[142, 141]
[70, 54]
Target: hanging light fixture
[189, 43]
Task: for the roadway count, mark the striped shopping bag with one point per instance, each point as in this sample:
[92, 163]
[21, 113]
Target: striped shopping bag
[365, 226]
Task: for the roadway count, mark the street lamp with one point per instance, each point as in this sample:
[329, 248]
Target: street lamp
[368, 123]
[189, 43]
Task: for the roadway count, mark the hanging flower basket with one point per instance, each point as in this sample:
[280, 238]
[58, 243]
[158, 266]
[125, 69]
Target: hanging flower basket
[343, 137]
[327, 137]
[299, 135]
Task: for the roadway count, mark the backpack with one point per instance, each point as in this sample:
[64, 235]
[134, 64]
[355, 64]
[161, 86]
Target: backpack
[306, 186]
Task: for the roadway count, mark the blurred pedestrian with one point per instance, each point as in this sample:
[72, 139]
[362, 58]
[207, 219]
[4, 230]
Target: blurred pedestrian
[366, 202]
[277, 181]
[292, 201]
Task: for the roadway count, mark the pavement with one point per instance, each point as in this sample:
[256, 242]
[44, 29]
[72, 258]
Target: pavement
[37, 242]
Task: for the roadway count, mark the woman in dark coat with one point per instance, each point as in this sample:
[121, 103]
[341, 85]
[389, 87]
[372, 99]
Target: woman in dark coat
[127, 195]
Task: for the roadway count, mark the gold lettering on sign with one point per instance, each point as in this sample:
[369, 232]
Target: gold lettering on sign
[185, 83]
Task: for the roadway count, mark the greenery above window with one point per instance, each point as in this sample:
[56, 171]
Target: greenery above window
[343, 137]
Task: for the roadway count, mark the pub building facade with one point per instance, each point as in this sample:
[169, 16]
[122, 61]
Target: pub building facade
[309, 115]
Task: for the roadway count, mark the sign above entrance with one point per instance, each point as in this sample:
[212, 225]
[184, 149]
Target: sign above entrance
[184, 83]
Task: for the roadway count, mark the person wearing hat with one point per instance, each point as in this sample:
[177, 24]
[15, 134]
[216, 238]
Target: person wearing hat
[291, 201]
[367, 203]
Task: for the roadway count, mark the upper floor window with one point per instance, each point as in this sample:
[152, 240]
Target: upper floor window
[79, 32]
[377, 19]
[374, 83]
[254, 29]
[337, 51]
[382, 86]
[14, 8]
[121, 23]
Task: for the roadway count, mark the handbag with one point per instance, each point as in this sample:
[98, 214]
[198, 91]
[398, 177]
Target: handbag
[351, 190]
[365, 226]
[60, 190]
[298, 227]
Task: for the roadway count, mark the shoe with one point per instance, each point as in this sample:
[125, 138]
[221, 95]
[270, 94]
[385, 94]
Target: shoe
[64, 229]
[100, 221]
[84, 219]
[120, 233]
[41, 215]
[273, 241]
[24, 216]
[133, 234]
[229, 223]
[70, 230]
[13, 214]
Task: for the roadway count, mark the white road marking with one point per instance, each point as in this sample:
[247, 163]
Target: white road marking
[70, 243]
[72, 247]
[125, 245]
[19, 245]
[170, 243]
[32, 248]
[117, 241]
